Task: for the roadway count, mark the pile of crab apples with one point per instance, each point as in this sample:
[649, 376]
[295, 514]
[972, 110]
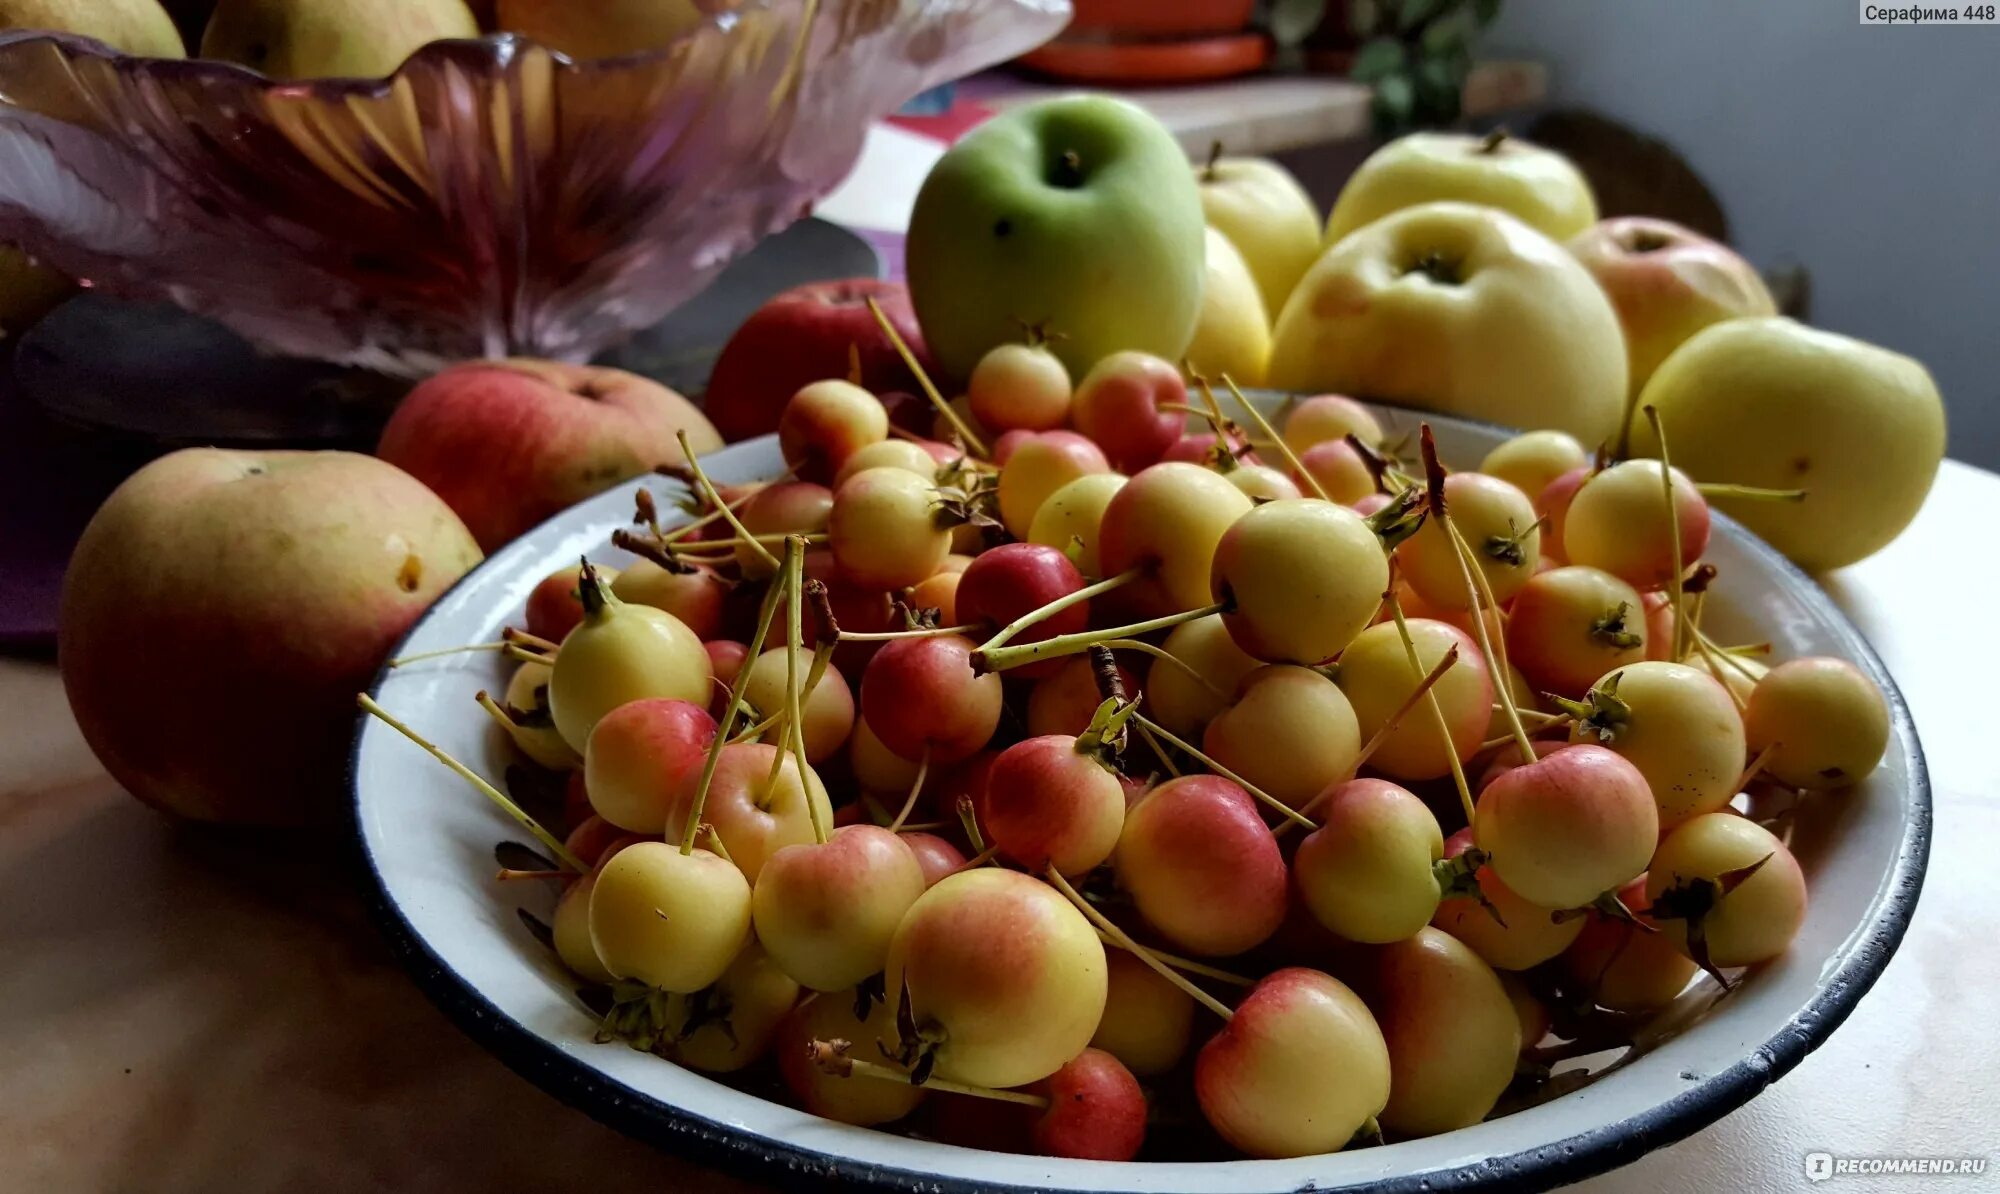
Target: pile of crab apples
[1083, 750]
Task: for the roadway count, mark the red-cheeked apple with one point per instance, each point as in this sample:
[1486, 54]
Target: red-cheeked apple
[1267, 215]
[508, 444]
[1458, 308]
[1077, 214]
[223, 608]
[1666, 283]
[1538, 186]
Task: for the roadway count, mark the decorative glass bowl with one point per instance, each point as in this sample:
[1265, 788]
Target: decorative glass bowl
[491, 197]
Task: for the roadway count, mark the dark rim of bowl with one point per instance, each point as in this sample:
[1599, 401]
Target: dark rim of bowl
[744, 1154]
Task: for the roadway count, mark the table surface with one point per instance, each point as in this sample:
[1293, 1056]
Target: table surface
[193, 1010]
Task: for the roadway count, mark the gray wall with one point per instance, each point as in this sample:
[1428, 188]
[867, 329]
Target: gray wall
[1869, 154]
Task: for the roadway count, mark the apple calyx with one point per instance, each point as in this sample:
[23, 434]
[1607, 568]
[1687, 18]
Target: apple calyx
[970, 502]
[1691, 900]
[638, 1016]
[1600, 712]
[593, 592]
[917, 1044]
[1607, 905]
[1458, 878]
[1610, 627]
[1646, 240]
[1402, 517]
[1445, 271]
[1067, 170]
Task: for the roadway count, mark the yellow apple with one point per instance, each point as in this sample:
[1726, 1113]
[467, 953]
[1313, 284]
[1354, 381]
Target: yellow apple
[324, 39]
[139, 27]
[600, 29]
[1771, 402]
[1267, 215]
[1233, 334]
[1666, 283]
[1538, 185]
[1461, 309]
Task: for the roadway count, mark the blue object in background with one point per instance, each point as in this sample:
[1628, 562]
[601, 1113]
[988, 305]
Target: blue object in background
[935, 102]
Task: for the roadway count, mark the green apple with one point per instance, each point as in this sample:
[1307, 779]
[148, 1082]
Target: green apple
[1268, 216]
[1233, 335]
[1076, 213]
[1539, 186]
[1770, 402]
[317, 39]
[1462, 309]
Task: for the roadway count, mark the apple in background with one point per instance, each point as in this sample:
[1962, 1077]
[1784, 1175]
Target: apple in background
[508, 444]
[599, 28]
[1771, 402]
[1462, 309]
[319, 39]
[1233, 335]
[1077, 214]
[1539, 186]
[1267, 215]
[1666, 283]
[803, 336]
[223, 608]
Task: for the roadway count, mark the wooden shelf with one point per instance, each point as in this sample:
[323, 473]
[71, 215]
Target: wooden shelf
[1264, 114]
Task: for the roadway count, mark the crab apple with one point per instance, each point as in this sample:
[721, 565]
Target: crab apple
[1514, 934]
[1678, 727]
[1205, 647]
[1051, 802]
[695, 596]
[1065, 701]
[885, 529]
[1262, 483]
[1741, 675]
[860, 1101]
[536, 735]
[938, 591]
[1376, 675]
[1015, 579]
[825, 423]
[1096, 1110]
[826, 910]
[1337, 470]
[1532, 459]
[1291, 732]
[877, 768]
[921, 694]
[639, 755]
[1070, 519]
[1659, 625]
[1616, 522]
[1202, 867]
[1303, 578]
[1750, 923]
[1508, 757]
[1037, 468]
[755, 808]
[1552, 503]
[1625, 968]
[1570, 626]
[555, 606]
[1019, 387]
[935, 856]
[1517, 687]
[1147, 1020]
[1496, 521]
[621, 653]
[1825, 724]
[890, 453]
[1568, 827]
[1117, 405]
[570, 928]
[1528, 1009]
[723, 1028]
[670, 920]
[1298, 1070]
[1003, 977]
[1003, 448]
[592, 839]
[826, 710]
[1368, 872]
[782, 508]
[1167, 522]
[1326, 417]
[1452, 1033]
[1199, 448]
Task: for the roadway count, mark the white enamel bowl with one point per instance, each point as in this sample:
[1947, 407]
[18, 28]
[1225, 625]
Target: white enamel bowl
[427, 840]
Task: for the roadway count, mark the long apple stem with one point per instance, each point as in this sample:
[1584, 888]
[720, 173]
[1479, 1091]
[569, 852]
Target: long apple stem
[973, 443]
[1158, 750]
[1123, 940]
[1187, 965]
[1755, 493]
[916, 788]
[520, 815]
[1263, 797]
[889, 636]
[1380, 735]
[765, 614]
[1095, 589]
[723, 508]
[1756, 765]
[1277, 441]
[1004, 658]
[833, 1060]
[1675, 588]
[795, 559]
[441, 652]
[1430, 698]
[1161, 653]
